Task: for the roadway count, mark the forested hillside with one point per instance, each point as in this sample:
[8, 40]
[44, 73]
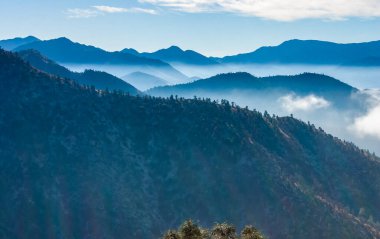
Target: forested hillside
[78, 163]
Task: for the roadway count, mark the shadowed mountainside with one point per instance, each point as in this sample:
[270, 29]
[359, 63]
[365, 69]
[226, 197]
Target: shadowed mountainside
[76, 163]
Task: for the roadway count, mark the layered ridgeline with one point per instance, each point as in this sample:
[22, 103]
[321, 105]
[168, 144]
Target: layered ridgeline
[288, 52]
[312, 52]
[100, 80]
[144, 81]
[176, 55]
[10, 44]
[76, 163]
[245, 86]
[63, 50]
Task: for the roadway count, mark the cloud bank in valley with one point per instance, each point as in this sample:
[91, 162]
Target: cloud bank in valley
[280, 10]
[369, 123]
[292, 103]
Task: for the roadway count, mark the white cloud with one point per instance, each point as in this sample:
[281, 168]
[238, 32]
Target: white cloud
[81, 13]
[108, 9]
[280, 10]
[369, 124]
[101, 10]
[292, 103]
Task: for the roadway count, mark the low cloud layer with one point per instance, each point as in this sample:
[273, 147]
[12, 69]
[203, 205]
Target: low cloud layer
[369, 123]
[95, 11]
[81, 13]
[292, 103]
[280, 10]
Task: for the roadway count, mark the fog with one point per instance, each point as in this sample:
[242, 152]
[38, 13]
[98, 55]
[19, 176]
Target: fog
[170, 75]
[360, 126]
[359, 77]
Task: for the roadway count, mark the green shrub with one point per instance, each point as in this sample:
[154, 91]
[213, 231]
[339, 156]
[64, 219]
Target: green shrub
[190, 230]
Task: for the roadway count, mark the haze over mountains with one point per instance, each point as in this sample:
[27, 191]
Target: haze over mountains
[329, 103]
[144, 81]
[342, 61]
[303, 84]
[100, 80]
[322, 108]
[80, 163]
[64, 51]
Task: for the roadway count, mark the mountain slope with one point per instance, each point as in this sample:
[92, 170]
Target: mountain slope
[367, 61]
[11, 44]
[175, 54]
[144, 81]
[309, 52]
[79, 164]
[100, 80]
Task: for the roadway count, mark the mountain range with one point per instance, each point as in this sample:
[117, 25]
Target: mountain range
[100, 80]
[79, 163]
[11, 44]
[311, 52]
[174, 54]
[144, 81]
[65, 51]
[289, 52]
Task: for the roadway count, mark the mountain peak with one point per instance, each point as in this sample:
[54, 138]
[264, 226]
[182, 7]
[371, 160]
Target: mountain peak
[130, 51]
[62, 39]
[11, 44]
[31, 38]
[175, 54]
[170, 50]
[174, 48]
[299, 41]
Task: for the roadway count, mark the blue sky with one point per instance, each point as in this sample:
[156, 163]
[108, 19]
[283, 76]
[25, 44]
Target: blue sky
[212, 27]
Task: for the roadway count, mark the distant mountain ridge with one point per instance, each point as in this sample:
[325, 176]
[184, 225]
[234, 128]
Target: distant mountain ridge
[174, 54]
[289, 52]
[64, 51]
[144, 81]
[309, 52]
[100, 80]
[11, 44]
